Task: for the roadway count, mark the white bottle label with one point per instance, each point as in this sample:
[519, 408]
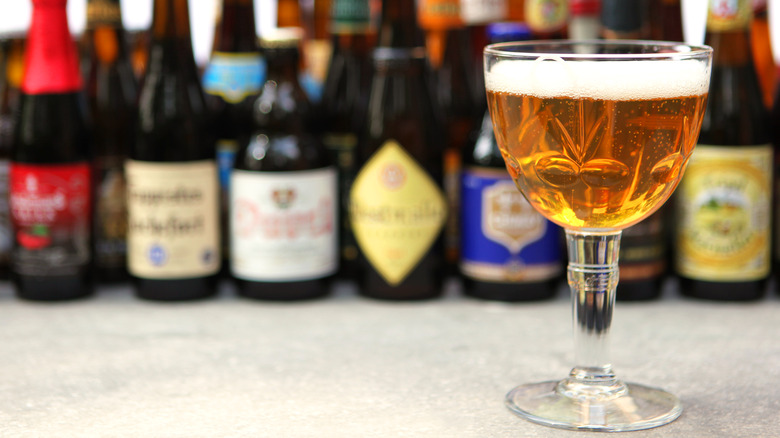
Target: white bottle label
[283, 225]
[173, 217]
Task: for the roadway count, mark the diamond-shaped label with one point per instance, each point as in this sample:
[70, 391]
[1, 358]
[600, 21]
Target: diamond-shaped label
[397, 210]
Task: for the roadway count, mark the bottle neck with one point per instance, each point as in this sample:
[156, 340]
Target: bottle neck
[51, 62]
[283, 64]
[399, 25]
[728, 32]
[171, 20]
[235, 30]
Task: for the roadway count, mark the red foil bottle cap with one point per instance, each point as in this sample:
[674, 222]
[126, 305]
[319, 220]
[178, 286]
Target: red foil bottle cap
[51, 61]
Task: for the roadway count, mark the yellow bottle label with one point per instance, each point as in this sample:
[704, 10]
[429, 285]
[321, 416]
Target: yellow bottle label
[397, 211]
[728, 15]
[546, 15]
[724, 201]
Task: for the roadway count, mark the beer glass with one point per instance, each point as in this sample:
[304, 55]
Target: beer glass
[596, 135]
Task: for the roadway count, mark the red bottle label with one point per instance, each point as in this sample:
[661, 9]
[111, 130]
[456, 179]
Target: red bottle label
[50, 215]
[51, 63]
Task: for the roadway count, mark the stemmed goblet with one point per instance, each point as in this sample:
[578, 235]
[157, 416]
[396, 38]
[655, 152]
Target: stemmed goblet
[596, 135]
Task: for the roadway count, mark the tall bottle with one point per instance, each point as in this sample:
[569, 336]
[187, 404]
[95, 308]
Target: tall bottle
[231, 80]
[724, 200]
[343, 107]
[509, 252]
[11, 74]
[643, 247]
[397, 204]
[449, 48]
[111, 93]
[284, 198]
[50, 176]
[399, 26]
[173, 190]
[666, 20]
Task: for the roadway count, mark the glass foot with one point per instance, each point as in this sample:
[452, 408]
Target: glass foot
[632, 407]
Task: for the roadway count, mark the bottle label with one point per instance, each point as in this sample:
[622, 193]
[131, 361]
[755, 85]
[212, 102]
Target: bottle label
[643, 249]
[482, 11]
[226, 158]
[283, 225]
[6, 241]
[397, 211]
[103, 13]
[546, 15]
[350, 16]
[234, 76]
[728, 15]
[724, 204]
[173, 218]
[503, 239]
[110, 215]
[51, 217]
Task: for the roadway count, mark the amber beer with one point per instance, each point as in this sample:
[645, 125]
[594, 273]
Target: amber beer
[596, 145]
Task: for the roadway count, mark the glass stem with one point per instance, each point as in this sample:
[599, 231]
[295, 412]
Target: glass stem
[593, 278]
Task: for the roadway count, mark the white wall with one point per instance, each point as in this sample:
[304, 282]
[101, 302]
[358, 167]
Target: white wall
[137, 14]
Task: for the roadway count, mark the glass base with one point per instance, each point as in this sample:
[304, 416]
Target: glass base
[624, 408]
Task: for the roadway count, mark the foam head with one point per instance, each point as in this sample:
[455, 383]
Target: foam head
[607, 80]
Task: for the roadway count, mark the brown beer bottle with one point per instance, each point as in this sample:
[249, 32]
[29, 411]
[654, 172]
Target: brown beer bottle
[111, 93]
[509, 251]
[643, 247]
[343, 106]
[397, 204]
[173, 191]
[284, 199]
[11, 74]
[724, 201]
[231, 80]
[666, 20]
[449, 48]
[50, 175]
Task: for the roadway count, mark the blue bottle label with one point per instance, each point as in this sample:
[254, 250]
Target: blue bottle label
[234, 76]
[503, 239]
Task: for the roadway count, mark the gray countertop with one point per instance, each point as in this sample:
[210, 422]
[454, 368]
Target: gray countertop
[347, 366]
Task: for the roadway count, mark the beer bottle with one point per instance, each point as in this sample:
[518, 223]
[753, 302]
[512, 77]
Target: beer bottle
[643, 247]
[449, 49]
[509, 252]
[111, 94]
[50, 193]
[231, 81]
[724, 200]
[11, 74]
[284, 197]
[547, 19]
[343, 107]
[397, 205]
[173, 191]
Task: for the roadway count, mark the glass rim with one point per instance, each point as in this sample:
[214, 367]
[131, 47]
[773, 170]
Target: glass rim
[676, 50]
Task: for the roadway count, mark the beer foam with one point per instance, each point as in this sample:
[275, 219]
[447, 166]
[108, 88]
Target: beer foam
[607, 80]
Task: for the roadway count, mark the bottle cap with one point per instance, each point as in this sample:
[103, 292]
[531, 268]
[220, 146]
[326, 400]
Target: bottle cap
[281, 38]
[585, 7]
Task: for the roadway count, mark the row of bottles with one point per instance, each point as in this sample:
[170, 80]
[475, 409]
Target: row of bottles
[392, 179]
